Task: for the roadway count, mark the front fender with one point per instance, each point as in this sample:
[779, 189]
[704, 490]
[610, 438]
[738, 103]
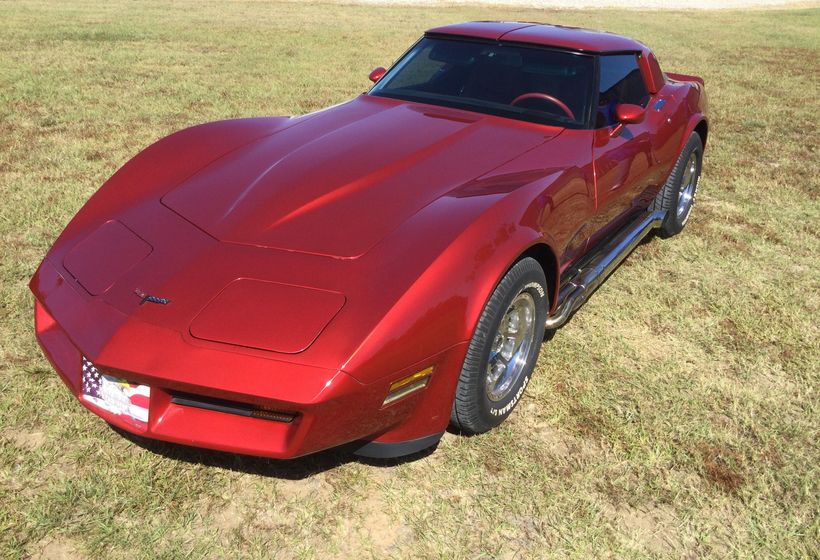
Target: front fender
[432, 322]
[473, 244]
[165, 164]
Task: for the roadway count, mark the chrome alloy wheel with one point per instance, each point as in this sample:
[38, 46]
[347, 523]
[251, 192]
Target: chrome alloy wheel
[688, 184]
[511, 346]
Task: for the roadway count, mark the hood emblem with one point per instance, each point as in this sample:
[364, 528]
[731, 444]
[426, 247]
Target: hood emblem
[152, 299]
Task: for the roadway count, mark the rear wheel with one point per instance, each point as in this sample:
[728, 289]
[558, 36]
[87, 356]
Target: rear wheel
[503, 350]
[677, 197]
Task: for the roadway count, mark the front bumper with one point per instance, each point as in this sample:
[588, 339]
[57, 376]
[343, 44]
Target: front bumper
[330, 407]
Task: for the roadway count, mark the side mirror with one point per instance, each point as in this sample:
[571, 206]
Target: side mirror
[377, 74]
[627, 113]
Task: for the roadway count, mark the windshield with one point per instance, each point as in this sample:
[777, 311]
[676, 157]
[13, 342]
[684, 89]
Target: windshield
[519, 82]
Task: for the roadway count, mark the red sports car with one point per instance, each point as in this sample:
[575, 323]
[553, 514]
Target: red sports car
[377, 270]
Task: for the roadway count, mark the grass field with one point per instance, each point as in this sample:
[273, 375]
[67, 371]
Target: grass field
[675, 416]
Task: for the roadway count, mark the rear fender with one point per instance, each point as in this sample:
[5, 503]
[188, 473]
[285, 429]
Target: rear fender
[691, 125]
[697, 105]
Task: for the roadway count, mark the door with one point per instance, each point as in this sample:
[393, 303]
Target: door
[623, 157]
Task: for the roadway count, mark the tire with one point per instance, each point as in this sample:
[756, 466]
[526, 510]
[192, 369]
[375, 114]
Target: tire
[677, 197]
[497, 367]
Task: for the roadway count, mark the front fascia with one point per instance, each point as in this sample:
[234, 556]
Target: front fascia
[331, 407]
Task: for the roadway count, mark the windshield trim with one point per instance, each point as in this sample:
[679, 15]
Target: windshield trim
[476, 106]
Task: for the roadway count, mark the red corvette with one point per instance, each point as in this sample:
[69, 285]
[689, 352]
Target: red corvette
[377, 270]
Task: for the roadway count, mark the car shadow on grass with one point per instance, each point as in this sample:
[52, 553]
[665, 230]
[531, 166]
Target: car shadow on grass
[290, 469]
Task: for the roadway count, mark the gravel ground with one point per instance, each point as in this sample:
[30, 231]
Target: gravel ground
[654, 4]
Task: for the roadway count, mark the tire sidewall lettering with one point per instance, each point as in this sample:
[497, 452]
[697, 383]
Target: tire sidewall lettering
[507, 408]
[535, 286]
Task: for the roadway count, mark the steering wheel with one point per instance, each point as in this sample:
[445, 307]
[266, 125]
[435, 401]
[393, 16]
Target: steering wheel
[544, 97]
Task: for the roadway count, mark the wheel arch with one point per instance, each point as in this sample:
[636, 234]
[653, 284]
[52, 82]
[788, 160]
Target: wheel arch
[698, 124]
[545, 256]
[702, 128]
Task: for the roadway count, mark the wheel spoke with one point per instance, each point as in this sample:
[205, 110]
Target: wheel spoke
[498, 342]
[508, 348]
[495, 371]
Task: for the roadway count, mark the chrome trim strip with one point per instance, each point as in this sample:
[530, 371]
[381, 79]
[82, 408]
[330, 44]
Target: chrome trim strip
[576, 292]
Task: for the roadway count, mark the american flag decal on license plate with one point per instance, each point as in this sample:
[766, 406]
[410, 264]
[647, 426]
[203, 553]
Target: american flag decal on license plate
[127, 400]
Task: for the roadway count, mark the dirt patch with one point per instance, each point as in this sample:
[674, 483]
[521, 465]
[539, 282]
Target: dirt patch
[314, 486]
[651, 527]
[227, 518]
[561, 444]
[228, 512]
[25, 440]
[383, 531]
[58, 548]
[555, 443]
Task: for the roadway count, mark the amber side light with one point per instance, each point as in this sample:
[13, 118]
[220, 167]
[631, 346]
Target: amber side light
[407, 385]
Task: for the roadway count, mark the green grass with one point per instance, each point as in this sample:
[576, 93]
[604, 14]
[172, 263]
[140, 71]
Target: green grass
[675, 416]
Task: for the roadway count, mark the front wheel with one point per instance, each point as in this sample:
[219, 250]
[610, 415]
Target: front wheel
[503, 350]
[677, 197]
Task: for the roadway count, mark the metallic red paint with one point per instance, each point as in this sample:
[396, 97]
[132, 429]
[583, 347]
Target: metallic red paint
[627, 113]
[400, 218]
[267, 315]
[377, 74]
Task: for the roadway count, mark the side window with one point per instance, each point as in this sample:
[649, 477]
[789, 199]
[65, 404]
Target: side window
[620, 82]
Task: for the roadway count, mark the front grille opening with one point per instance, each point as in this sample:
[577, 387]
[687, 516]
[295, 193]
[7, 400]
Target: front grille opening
[230, 407]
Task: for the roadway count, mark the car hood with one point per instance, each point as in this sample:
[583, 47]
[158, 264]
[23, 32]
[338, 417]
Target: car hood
[338, 181]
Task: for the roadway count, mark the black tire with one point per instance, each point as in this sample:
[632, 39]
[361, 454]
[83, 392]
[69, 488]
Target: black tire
[670, 195]
[474, 411]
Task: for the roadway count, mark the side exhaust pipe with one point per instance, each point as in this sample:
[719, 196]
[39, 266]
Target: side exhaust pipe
[576, 291]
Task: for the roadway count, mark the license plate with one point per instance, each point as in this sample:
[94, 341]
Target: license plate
[128, 401]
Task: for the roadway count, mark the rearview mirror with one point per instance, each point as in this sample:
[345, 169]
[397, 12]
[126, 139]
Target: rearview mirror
[377, 74]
